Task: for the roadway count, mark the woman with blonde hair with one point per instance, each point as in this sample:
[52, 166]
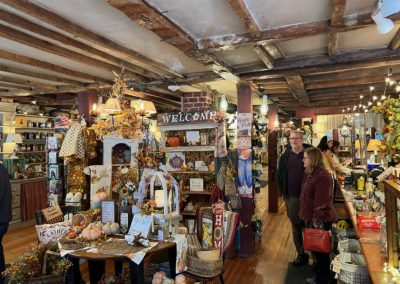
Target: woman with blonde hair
[316, 206]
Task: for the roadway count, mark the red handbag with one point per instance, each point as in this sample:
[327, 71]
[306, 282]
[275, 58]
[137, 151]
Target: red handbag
[317, 240]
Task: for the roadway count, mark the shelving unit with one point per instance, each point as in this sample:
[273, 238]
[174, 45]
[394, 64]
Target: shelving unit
[193, 143]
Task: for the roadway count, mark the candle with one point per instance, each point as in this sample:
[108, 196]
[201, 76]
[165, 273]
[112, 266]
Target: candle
[159, 196]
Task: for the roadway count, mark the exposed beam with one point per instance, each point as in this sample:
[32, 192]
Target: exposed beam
[395, 42]
[350, 22]
[152, 97]
[19, 71]
[349, 82]
[52, 67]
[15, 86]
[78, 31]
[336, 20]
[352, 74]
[149, 17]
[27, 82]
[296, 85]
[240, 8]
[89, 50]
[273, 85]
[265, 56]
[323, 64]
[40, 44]
[332, 43]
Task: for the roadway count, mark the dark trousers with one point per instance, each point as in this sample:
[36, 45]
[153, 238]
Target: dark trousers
[292, 210]
[3, 231]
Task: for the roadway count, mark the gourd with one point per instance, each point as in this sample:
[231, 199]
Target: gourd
[110, 229]
[91, 232]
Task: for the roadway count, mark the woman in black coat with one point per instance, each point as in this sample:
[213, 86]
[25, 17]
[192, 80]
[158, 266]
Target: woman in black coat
[5, 213]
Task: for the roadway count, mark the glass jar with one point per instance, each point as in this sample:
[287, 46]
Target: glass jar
[369, 187]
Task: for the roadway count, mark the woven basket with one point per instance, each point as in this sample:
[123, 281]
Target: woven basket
[69, 244]
[204, 268]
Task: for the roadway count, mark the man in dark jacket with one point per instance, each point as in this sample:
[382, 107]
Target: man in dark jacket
[289, 178]
[5, 213]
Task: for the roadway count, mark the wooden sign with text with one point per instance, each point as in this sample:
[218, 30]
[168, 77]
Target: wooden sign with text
[186, 117]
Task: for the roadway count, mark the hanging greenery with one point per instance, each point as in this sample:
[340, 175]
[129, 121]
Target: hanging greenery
[390, 110]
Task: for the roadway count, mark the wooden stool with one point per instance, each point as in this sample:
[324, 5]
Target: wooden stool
[204, 279]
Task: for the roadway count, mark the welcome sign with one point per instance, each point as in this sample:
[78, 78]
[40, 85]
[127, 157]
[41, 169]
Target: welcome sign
[186, 117]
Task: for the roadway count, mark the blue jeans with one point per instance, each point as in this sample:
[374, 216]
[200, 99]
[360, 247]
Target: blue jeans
[3, 231]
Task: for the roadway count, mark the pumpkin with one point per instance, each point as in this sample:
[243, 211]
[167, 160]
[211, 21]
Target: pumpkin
[91, 232]
[180, 279]
[173, 141]
[110, 229]
[98, 224]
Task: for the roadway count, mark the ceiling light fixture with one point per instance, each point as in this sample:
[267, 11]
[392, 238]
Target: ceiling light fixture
[173, 88]
[383, 25]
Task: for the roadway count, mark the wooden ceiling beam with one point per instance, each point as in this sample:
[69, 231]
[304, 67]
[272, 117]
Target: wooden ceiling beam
[297, 86]
[350, 22]
[27, 82]
[19, 71]
[52, 67]
[351, 74]
[152, 97]
[18, 36]
[338, 7]
[149, 17]
[273, 85]
[323, 64]
[55, 20]
[265, 56]
[395, 42]
[15, 86]
[59, 37]
[240, 8]
[278, 91]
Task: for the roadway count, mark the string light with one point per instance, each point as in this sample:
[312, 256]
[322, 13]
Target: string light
[383, 97]
[369, 103]
[387, 80]
[366, 110]
[371, 88]
[398, 88]
[378, 103]
[374, 98]
[361, 96]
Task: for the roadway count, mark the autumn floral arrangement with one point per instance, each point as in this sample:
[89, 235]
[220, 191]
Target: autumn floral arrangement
[390, 110]
[125, 182]
[126, 122]
[30, 264]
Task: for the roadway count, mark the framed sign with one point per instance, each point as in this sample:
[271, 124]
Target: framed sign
[196, 184]
[186, 117]
[175, 161]
[108, 211]
[141, 224]
[244, 121]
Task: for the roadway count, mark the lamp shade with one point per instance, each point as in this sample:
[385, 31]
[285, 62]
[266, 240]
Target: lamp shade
[14, 138]
[383, 25]
[143, 107]
[224, 103]
[374, 145]
[389, 7]
[264, 105]
[112, 106]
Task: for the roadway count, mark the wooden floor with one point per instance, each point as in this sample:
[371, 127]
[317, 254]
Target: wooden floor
[268, 265]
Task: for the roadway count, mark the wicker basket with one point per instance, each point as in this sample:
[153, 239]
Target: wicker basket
[204, 268]
[70, 244]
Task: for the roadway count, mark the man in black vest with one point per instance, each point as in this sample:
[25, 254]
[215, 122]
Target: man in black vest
[5, 213]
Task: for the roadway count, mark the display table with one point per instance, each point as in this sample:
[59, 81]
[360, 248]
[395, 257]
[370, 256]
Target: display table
[370, 243]
[96, 263]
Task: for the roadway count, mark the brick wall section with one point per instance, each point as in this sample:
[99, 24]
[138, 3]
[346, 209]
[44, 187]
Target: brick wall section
[196, 101]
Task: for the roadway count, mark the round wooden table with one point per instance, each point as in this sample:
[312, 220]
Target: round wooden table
[96, 263]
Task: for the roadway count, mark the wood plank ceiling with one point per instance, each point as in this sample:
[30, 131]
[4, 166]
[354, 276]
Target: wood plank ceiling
[303, 54]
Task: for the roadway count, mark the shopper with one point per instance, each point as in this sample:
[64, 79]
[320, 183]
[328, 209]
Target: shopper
[289, 178]
[316, 206]
[338, 166]
[327, 155]
[5, 213]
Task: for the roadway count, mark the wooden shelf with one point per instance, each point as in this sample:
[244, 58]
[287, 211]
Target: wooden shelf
[190, 148]
[33, 115]
[33, 140]
[191, 172]
[5, 152]
[34, 128]
[188, 213]
[197, 192]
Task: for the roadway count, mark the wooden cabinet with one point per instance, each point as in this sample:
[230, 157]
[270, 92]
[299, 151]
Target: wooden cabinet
[16, 202]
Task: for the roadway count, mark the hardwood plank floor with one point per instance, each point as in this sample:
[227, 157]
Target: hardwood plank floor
[268, 265]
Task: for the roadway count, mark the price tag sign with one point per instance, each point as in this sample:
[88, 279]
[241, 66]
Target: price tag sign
[108, 211]
[141, 224]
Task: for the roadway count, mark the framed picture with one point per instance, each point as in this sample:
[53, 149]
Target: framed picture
[51, 143]
[175, 161]
[52, 157]
[55, 186]
[193, 137]
[53, 172]
[196, 184]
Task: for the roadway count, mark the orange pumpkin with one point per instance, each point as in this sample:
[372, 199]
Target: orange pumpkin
[173, 141]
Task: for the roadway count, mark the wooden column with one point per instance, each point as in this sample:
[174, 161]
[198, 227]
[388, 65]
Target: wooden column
[272, 160]
[85, 101]
[245, 110]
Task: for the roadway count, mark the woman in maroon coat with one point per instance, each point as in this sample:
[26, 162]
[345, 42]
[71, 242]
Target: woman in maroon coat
[316, 206]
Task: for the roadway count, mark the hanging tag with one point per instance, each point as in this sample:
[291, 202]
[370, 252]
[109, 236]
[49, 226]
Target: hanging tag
[336, 265]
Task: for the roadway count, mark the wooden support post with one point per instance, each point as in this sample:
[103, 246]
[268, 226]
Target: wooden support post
[85, 101]
[245, 176]
[272, 160]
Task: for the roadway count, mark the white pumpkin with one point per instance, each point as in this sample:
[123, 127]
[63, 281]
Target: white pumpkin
[114, 228]
[106, 229]
[98, 224]
[91, 232]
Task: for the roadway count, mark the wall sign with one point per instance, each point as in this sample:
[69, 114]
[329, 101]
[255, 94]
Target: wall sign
[244, 121]
[186, 117]
[141, 224]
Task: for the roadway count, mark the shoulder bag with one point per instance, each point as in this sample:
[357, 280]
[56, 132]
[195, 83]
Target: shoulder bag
[317, 240]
